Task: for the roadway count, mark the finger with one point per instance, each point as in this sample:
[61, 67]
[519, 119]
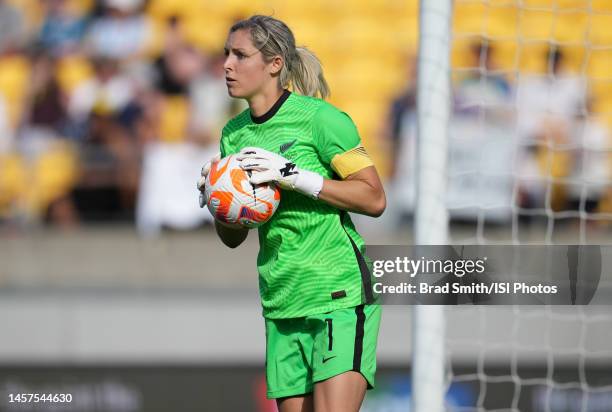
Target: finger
[246, 155]
[255, 164]
[250, 155]
[262, 177]
[249, 164]
[201, 184]
[206, 169]
[254, 152]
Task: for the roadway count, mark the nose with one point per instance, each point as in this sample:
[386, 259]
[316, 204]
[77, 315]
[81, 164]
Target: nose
[227, 64]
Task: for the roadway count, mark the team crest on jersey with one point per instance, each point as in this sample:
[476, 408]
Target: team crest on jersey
[286, 146]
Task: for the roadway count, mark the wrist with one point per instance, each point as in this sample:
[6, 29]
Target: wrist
[309, 183]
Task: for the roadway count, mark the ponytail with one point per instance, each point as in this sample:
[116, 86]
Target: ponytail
[306, 74]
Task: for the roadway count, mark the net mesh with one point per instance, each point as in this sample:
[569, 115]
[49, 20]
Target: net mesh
[530, 163]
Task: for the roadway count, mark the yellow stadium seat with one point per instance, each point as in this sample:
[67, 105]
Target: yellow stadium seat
[600, 33]
[600, 64]
[532, 57]
[572, 27]
[536, 25]
[360, 35]
[207, 35]
[601, 6]
[307, 33]
[468, 18]
[174, 119]
[461, 57]
[72, 71]
[559, 4]
[55, 173]
[602, 100]
[500, 22]
[538, 3]
[13, 181]
[163, 9]
[240, 9]
[14, 77]
[505, 55]
[573, 4]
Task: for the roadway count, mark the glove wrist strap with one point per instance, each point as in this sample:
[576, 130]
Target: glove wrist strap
[309, 183]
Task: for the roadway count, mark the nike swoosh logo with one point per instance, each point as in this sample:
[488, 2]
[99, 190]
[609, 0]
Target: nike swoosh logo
[286, 146]
[326, 359]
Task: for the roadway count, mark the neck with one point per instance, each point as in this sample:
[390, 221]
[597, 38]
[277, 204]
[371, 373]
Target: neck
[261, 103]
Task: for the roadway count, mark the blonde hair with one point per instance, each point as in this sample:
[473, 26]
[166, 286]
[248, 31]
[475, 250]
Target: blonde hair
[301, 69]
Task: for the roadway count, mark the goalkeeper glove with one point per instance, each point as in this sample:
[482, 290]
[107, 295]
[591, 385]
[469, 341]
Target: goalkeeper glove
[269, 167]
[202, 181]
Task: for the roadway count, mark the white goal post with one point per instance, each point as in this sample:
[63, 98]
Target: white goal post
[431, 217]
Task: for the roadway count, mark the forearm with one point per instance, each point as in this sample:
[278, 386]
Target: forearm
[359, 191]
[231, 236]
[355, 196]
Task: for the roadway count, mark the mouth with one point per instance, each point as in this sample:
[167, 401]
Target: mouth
[229, 80]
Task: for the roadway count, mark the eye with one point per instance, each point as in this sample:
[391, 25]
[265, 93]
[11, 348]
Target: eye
[240, 56]
[226, 52]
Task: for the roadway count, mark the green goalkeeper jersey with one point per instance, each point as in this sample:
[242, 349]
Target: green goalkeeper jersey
[310, 258]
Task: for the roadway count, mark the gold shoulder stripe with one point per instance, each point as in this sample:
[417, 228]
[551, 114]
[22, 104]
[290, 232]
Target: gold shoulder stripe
[347, 163]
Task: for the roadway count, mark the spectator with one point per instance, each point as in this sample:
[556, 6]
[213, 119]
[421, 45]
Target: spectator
[122, 32]
[591, 173]
[11, 168]
[107, 111]
[548, 108]
[50, 158]
[400, 128]
[211, 104]
[61, 31]
[108, 92]
[6, 134]
[174, 152]
[483, 91]
[481, 148]
[12, 30]
[548, 104]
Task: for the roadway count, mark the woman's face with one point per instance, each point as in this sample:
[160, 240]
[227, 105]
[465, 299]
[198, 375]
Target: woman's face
[246, 73]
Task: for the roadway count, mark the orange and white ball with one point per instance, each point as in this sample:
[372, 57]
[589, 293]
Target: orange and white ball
[231, 198]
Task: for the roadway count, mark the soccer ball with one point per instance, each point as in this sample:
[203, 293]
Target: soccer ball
[231, 198]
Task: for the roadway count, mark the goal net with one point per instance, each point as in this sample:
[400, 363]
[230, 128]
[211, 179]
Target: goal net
[528, 161]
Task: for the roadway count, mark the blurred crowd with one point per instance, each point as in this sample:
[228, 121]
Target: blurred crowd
[523, 146]
[101, 118]
[105, 116]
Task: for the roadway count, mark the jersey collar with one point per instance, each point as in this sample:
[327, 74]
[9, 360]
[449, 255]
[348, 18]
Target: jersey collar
[275, 108]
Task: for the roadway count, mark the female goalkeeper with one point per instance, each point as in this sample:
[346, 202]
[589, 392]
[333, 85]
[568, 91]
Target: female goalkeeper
[321, 325]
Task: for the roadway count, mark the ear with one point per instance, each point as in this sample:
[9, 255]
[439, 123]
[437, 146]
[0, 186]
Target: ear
[276, 65]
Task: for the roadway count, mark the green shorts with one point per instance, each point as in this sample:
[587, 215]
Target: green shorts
[303, 351]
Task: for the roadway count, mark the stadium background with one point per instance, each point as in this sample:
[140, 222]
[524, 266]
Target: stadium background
[140, 308]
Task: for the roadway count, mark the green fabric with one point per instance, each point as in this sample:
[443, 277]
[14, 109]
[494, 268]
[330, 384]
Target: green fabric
[305, 252]
[298, 352]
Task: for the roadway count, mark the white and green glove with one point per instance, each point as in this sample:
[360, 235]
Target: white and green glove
[268, 167]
